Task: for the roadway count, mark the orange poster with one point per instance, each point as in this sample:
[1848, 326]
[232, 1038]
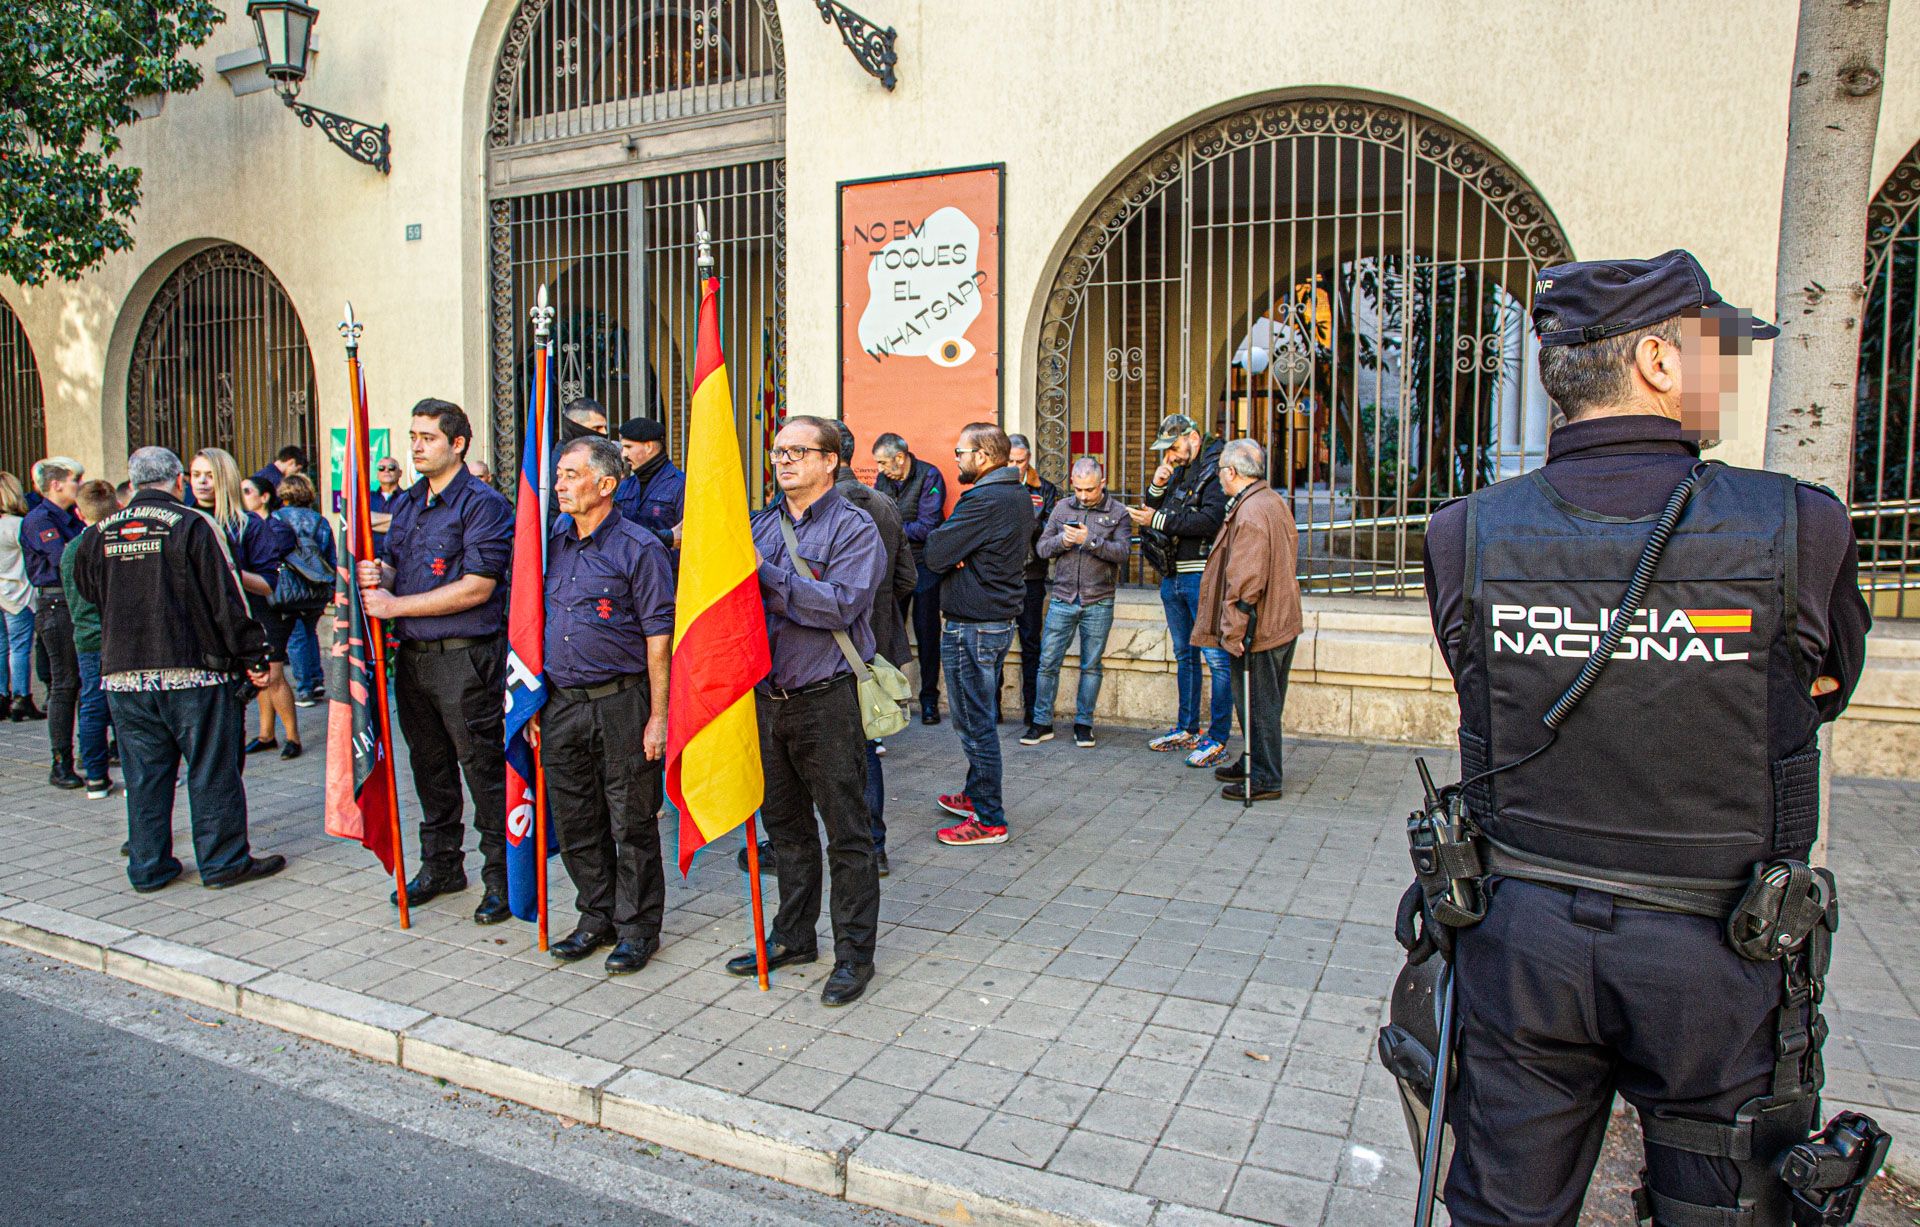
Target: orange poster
[920, 311]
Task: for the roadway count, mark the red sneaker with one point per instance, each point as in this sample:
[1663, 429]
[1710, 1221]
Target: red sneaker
[960, 805]
[971, 832]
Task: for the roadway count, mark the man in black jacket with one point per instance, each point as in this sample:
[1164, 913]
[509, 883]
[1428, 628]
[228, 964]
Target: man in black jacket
[176, 638]
[1033, 605]
[980, 553]
[1184, 510]
[919, 493]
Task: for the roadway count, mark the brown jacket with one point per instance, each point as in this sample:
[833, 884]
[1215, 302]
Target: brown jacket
[1252, 561]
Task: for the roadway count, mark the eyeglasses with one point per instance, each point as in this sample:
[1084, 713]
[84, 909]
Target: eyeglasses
[964, 451]
[782, 455]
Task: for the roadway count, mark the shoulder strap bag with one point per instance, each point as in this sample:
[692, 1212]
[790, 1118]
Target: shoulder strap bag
[883, 689]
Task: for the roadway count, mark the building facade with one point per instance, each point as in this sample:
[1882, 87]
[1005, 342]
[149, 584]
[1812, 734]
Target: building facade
[1315, 224]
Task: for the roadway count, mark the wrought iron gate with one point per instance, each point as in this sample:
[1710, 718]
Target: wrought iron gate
[582, 89]
[1886, 512]
[221, 361]
[23, 422]
[1346, 282]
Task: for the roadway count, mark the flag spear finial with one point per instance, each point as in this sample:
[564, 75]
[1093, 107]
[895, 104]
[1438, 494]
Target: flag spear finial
[702, 241]
[350, 329]
[542, 316]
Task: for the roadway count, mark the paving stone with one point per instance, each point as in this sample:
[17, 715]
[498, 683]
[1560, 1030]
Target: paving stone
[1127, 1116]
[944, 1121]
[1188, 1179]
[1273, 1197]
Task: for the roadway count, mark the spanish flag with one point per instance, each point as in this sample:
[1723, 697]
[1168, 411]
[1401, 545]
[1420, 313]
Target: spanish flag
[1720, 621]
[719, 627]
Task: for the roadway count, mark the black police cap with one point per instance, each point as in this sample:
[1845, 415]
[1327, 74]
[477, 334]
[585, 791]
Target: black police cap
[643, 430]
[1593, 300]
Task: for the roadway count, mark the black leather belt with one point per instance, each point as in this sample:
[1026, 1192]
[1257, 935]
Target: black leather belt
[1693, 896]
[586, 694]
[444, 645]
[775, 692]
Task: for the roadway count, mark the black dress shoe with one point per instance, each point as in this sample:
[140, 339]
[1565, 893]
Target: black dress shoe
[493, 909]
[1235, 770]
[579, 946]
[880, 863]
[778, 956]
[290, 750]
[766, 858]
[257, 867]
[631, 955]
[929, 715]
[1238, 792]
[846, 983]
[261, 744]
[427, 885]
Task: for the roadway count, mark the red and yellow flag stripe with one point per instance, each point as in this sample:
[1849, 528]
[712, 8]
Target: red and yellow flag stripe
[720, 628]
[1724, 620]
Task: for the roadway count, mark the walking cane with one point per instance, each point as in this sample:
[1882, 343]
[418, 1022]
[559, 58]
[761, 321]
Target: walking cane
[1246, 699]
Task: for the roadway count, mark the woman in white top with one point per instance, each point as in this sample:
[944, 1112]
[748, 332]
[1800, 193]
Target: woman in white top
[16, 601]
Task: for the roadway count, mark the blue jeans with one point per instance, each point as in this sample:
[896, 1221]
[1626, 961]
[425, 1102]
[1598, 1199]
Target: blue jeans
[303, 652]
[974, 655]
[157, 728]
[92, 719]
[20, 652]
[877, 799]
[1180, 597]
[1064, 620]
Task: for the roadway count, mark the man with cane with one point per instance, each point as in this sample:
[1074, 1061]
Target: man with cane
[1250, 606]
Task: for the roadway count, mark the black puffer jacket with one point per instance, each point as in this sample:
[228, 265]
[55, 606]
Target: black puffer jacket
[1187, 514]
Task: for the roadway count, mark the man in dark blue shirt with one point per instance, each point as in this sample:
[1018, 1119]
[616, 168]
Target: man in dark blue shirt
[381, 498]
[609, 626]
[292, 459]
[652, 495]
[442, 580]
[43, 538]
[813, 747]
[919, 492]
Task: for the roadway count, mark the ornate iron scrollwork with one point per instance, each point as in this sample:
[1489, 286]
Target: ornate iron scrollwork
[872, 47]
[361, 142]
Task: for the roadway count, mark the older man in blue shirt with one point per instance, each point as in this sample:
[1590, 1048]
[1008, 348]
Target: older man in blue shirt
[43, 538]
[812, 746]
[604, 731]
[443, 581]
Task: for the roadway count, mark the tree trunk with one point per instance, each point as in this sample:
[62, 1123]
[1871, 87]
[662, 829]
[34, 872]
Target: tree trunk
[1820, 288]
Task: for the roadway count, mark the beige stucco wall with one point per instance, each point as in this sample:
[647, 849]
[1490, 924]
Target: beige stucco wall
[1642, 125]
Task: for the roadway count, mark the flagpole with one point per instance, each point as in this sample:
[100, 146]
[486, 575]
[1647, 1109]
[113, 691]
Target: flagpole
[376, 628]
[543, 395]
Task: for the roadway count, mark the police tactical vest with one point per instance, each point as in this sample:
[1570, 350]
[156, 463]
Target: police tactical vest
[1665, 768]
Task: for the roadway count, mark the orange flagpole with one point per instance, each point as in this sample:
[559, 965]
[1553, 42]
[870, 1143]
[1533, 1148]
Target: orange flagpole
[376, 628]
[753, 890]
[540, 829]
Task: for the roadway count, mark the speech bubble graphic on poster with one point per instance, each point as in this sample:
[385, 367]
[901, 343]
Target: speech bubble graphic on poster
[924, 291]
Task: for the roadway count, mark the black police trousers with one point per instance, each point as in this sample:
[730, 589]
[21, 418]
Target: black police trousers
[604, 796]
[455, 723]
[814, 752]
[1566, 997]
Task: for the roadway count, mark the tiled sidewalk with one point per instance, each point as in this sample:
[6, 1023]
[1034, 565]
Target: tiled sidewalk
[1147, 988]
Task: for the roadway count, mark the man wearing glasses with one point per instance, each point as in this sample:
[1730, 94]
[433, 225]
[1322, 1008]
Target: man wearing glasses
[813, 747]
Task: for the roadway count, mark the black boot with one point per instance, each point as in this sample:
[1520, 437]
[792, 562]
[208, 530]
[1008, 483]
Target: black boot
[23, 709]
[62, 775]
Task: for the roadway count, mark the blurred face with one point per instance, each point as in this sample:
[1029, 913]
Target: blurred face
[580, 490]
[638, 454]
[200, 481]
[1709, 376]
[433, 452]
[1089, 490]
[252, 497]
[896, 465]
[388, 473]
[800, 464]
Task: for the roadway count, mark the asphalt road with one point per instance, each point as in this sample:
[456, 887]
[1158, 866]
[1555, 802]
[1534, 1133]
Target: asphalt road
[120, 1106]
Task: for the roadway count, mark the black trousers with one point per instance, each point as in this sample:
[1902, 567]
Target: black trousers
[455, 723]
[922, 609]
[1268, 672]
[157, 729]
[53, 627]
[1567, 997]
[815, 756]
[1032, 620]
[604, 796]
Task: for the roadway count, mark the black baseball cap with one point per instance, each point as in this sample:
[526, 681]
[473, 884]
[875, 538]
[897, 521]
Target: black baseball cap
[1596, 299]
[643, 430]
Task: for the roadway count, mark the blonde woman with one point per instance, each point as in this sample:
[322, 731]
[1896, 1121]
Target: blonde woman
[259, 545]
[16, 601]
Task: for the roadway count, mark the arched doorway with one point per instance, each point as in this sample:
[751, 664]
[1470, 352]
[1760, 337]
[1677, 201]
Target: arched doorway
[23, 419]
[587, 92]
[221, 361]
[1886, 509]
[1346, 281]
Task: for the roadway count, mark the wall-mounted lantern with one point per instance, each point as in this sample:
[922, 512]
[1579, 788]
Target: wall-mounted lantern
[282, 28]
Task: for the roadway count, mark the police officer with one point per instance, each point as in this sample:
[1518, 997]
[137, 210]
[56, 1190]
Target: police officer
[919, 492]
[43, 538]
[1619, 852]
[443, 582]
[654, 492]
[604, 730]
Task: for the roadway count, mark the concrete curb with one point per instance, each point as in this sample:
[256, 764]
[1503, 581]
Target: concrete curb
[899, 1175]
